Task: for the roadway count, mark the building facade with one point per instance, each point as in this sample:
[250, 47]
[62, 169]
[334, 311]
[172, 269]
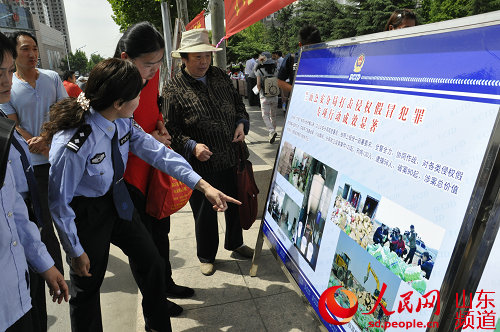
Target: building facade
[15, 15]
[53, 14]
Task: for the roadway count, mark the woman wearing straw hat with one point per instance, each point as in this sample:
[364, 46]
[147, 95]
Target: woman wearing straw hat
[205, 116]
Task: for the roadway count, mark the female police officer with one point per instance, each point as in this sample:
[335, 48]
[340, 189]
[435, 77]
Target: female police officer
[91, 137]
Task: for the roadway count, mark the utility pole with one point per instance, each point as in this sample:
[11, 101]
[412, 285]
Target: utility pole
[182, 11]
[217, 11]
[167, 35]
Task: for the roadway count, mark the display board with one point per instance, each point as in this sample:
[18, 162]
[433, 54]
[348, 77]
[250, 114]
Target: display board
[482, 312]
[381, 163]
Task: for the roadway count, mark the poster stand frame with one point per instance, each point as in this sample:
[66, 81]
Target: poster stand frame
[482, 218]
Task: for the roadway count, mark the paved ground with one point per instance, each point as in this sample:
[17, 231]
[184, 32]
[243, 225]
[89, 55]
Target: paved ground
[229, 300]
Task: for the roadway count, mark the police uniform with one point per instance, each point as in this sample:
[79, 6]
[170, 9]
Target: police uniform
[81, 203]
[19, 242]
[37, 284]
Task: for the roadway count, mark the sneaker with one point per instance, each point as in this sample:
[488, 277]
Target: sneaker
[284, 107]
[245, 251]
[179, 291]
[207, 268]
[272, 137]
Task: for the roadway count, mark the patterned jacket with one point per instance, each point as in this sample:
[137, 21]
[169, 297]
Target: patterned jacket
[205, 113]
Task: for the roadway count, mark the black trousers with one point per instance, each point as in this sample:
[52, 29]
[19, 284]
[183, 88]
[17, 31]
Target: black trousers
[409, 258]
[39, 306]
[253, 99]
[23, 324]
[37, 291]
[158, 229]
[48, 235]
[98, 225]
[207, 230]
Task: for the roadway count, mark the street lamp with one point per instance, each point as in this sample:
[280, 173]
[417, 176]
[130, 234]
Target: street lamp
[79, 48]
[67, 56]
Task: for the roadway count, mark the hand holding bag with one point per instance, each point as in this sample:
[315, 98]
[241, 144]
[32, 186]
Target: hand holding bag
[247, 188]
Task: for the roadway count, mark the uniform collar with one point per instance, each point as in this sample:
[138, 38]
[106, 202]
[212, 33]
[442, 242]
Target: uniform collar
[108, 127]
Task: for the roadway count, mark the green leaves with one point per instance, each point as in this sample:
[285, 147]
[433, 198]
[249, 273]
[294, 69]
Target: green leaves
[128, 12]
[79, 62]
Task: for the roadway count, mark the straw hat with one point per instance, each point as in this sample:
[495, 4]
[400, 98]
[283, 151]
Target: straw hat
[194, 41]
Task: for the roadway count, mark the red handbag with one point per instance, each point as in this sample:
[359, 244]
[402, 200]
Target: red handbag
[166, 195]
[247, 188]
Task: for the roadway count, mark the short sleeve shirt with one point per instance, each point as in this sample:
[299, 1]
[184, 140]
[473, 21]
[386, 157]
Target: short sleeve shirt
[32, 104]
[284, 71]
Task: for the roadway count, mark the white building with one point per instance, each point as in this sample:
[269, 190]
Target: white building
[51, 46]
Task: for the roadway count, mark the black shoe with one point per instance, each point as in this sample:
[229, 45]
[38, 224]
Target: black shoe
[272, 137]
[174, 310]
[179, 291]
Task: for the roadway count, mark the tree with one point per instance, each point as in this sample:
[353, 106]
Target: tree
[77, 62]
[253, 39]
[128, 12]
[94, 59]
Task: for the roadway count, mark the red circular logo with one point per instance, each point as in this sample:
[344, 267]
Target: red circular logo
[328, 305]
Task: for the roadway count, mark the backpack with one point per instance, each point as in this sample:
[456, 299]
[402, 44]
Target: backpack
[271, 88]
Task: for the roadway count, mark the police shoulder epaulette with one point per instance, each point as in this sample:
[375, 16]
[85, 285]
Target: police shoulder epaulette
[81, 135]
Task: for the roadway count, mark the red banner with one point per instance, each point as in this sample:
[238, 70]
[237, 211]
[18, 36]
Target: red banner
[198, 22]
[243, 13]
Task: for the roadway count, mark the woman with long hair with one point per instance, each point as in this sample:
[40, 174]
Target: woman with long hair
[144, 46]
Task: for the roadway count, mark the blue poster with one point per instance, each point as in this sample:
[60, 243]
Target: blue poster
[379, 158]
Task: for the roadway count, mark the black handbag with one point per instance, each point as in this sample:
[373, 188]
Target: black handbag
[247, 188]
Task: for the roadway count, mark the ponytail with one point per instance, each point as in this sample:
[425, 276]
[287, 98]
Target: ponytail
[65, 114]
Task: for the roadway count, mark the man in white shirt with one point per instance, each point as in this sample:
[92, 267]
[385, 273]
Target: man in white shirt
[251, 80]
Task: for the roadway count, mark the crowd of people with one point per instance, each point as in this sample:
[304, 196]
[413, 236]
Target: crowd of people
[269, 78]
[82, 160]
[79, 154]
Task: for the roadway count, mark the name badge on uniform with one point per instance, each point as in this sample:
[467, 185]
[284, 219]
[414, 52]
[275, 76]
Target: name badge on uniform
[98, 158]
[125, 138]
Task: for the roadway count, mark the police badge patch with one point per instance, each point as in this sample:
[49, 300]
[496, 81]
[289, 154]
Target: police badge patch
[135, 124]
[98, 158]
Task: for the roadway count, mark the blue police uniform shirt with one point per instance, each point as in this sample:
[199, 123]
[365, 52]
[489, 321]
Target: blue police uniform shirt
[19, 241]
[32, 104]
[89, 171]
[17, 166]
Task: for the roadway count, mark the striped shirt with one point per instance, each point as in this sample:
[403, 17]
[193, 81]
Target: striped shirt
[207, 114]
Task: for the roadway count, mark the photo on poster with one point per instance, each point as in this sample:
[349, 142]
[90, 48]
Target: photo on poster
[354, 269]
[294, 165]
[304, 224]
[275, 206]
[406, 243]
[354, 209]
[399, 239]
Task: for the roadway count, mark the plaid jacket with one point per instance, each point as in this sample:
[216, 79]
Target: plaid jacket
[206, 113]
